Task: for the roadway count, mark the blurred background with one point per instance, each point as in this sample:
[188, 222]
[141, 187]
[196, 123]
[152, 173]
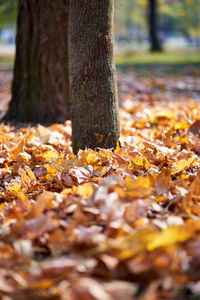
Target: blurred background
[178, 23]
[165, 31]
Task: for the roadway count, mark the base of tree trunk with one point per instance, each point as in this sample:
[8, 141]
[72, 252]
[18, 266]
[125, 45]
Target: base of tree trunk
[41, 82]
[93, 86]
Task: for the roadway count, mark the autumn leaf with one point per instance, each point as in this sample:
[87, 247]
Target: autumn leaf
[85, 190]
[139, 187]
[168, 236]
[162, 115]
[195, 128]
[162, 183]
[80, 174]
[16, 148]
[183, 164]
[91, 158]
[14, 186]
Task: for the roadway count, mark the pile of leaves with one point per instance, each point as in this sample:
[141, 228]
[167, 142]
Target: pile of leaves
[104, 225]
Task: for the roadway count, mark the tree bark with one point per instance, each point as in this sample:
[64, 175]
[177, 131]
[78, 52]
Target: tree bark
[41, 81]
[153, 26]
[93, 87]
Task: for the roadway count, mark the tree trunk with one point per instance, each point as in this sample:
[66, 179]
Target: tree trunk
[153, 26]
[93, 88]
[41, 81]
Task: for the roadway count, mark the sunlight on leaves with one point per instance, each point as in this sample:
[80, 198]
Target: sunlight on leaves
[168, 236]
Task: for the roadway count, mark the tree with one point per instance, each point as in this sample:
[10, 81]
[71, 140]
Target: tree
[153, 26]
[40, 86]
[93, 88]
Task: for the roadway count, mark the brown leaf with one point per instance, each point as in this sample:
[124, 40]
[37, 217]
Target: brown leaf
[37, 227]
[162, 183]
[195, 128]
[89, 289]
[80, 174]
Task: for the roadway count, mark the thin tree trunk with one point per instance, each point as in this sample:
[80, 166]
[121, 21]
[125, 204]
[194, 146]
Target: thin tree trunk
[41, 81]
[93, 88]
[153, 26]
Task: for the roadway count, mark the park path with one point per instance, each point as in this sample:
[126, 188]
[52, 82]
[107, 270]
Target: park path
[7, 50]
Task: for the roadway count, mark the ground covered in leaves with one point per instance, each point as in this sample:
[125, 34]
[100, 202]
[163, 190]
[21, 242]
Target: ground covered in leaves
[106, 225]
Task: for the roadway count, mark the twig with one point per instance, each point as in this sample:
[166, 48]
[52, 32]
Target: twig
[64, 111]
[106, 140]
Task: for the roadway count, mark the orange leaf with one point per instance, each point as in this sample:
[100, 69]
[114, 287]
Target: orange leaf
[137, 188]
[183, 164]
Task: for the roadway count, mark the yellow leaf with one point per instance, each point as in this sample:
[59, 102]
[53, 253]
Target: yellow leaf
[14, 186]
[168, 236]
[141, 162]
[133, 243]
[30, 173]
[50, 154]
[26, 180]
[163, 114]
[91, 158]
[181, 125]
[118, 146]
[137, 188]
[58, 165]
[85, 191]
[184, 176]
[98, 137]
[66, 192]
[51, 171]
[182, 140]
[183, 164]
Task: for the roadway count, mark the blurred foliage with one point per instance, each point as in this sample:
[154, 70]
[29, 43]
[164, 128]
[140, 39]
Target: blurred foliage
[8, 13]
[175, 17]
[129, 14]
[180, 17]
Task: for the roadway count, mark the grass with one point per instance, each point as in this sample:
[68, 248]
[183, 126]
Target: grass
[141, 58]
[6, 62]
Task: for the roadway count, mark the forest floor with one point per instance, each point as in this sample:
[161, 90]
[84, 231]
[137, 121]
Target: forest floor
[106, 225]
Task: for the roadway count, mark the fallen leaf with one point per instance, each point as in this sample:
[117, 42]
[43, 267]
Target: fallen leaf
[195, 128]
[168, 236]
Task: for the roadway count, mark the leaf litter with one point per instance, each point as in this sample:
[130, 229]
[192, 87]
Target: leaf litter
[103, 224]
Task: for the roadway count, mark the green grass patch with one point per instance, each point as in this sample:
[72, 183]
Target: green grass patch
[141, 61]
[134, 58]
[6, 62]
[6, 59]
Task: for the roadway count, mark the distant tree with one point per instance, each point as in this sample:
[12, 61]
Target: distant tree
[153, 26]
[8, 12]
[40, 85]
[95, 116]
